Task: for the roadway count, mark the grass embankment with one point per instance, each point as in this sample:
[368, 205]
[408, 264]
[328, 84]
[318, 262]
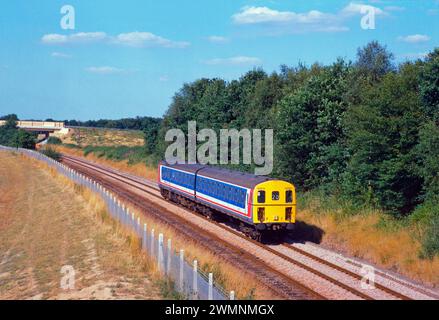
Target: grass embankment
[103, 137]
[395, 244]
[46, 223]
[121, 149]
[123, 162]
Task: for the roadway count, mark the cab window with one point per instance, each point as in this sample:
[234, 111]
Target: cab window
[261, 196]
[289, 196]
[275, 195]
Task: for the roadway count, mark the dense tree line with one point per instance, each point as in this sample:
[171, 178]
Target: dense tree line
[11, 136]
[138, 123]
[367, 130]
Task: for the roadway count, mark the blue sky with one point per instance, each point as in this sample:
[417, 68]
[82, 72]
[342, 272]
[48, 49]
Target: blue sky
[128, 58]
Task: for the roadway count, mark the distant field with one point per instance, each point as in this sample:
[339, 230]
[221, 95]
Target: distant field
[103, 137]
[47, 224]
[122, 149]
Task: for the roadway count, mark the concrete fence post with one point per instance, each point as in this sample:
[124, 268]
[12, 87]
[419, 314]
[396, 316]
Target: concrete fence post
[160, 261]
[113, 206]
[168, 260]
[133, 222]
[119, 211]
[195, 281]
[144, 238]
[181, 270]
[232, 295]
[152, 243]
[210, 295]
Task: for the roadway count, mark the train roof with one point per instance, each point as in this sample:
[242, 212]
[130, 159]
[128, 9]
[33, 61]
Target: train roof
[247, 180]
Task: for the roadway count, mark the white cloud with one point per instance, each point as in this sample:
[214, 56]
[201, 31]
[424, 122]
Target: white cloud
[255, 15]
[81, 37]
[60, 55]
[411, 56]
[310, 21]
[252, 15]
[354, 8]
[234, 61]
[164, 78]
[415, 38]
[147, 39]
[104, 70]
[132, 39]
[218, 39]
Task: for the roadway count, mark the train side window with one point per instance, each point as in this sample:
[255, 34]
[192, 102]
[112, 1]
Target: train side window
[261, 196]
[289, 196]
[275, 195]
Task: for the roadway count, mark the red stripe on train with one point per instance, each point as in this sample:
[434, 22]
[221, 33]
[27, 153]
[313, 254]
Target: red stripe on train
[219, 204]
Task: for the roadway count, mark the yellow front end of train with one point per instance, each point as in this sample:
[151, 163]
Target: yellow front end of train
[274, 203]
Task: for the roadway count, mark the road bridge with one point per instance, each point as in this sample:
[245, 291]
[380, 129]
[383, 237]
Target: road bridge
[41, 127]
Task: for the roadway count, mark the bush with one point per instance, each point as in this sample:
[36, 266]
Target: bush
[430, 244]
[54, 140]
[49, 152]
[132, 154]
[71, 146]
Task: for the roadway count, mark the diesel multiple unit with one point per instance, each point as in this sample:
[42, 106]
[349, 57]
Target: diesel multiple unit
[258, 204]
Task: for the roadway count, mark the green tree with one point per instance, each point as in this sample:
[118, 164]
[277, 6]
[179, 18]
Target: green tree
[428, 151]
[429, 85]
[11, 123]
[382, 133]
[309, 139]
[9, 117]
[24, 139]
[374, 61]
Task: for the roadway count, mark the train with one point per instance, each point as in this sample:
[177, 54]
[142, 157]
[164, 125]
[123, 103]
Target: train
[259, 206]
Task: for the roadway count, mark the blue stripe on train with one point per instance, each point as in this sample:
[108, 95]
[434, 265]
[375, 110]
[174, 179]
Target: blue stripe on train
[225, 192]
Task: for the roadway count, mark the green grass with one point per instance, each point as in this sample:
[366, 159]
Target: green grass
[322, 202]
[132, 154]
[54, 140]
[430, 243]
[49, 152]
[71, 146]
[426, 216]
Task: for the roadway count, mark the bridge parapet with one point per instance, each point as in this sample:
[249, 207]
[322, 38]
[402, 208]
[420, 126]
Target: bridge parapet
[43, 125]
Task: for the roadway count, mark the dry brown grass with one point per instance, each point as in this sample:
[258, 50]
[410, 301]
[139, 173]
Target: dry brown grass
[47, 223]
[103, 137]
[227, 275]
[363, 236]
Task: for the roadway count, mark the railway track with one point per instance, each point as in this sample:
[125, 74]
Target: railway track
[284, 263]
